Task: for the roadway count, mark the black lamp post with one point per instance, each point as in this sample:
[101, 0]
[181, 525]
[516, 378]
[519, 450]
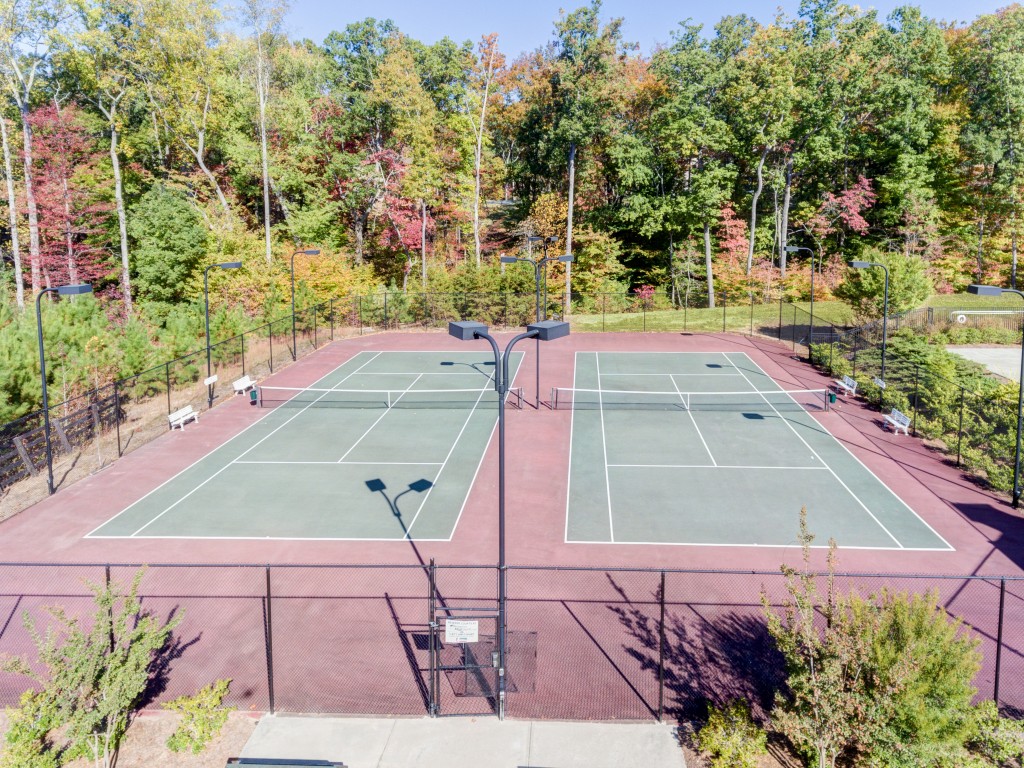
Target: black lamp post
[885, 305]
[796, 249]
[310, 252]
[539, 266]
[62, 290]
[206, 300]
[992, 290]
[545, 330]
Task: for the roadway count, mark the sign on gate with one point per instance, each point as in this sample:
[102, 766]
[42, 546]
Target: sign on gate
[461, 631]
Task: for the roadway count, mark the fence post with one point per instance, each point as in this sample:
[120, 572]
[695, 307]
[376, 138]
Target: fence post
[780, 318]
[724, 299]
[117, 416]
[917, 377]
[314, 327]
[751, 314]
[643, 309]
[330, 312]
[270, 338]
[167, 377]
[359, 312]
[242, 337]
[604, 304]
[661, 653]
[432, 708]
[270, 646]
[960, 428]
[792, 329]
[999, 640]
[385, 310]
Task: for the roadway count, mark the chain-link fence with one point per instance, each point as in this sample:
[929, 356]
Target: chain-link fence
[584, 643]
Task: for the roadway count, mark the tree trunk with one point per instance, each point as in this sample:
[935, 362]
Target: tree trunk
[30, 199]
[12, 205]
[981, 240]
[786, 199]
[359, 226]
[568, 228]
[479, 157]
[122, 221]
[708, 265]
[753, 209]
[1013, 251]
[262, 86]
[69, 242]
[199, 152]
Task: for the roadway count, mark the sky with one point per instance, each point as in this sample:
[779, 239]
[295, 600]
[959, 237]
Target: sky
[524, 25]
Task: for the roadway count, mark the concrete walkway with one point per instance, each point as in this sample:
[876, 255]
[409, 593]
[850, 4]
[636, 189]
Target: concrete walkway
[1001, 360]
[465, 743]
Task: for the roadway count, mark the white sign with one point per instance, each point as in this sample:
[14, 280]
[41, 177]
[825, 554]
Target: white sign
[879, 383]
[211, 380]
[461, 631]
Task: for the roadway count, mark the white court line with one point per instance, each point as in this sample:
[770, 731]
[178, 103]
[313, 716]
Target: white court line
[604, 447]
[670, 374]
[377, 421]
[712, 466]
[689, 413]
[426, 496]
[572, 429]
[350, 463]
[834, 474]
[250, 448]
[792, 547]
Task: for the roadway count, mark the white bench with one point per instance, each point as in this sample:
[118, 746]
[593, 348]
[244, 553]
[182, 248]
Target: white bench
[243, 384]
[182, 415]
[898, 420]
[848, 384]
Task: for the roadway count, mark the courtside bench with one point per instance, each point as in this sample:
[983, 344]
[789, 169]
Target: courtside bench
[847, 384]
[269, 762]
[243, 385]
[181, 416]
[898, 421]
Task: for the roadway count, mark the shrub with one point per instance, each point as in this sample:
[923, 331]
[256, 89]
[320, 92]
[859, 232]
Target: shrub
[202, 717]
[731, 738]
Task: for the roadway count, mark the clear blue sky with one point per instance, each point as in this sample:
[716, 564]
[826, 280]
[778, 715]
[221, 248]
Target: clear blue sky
[526, 24]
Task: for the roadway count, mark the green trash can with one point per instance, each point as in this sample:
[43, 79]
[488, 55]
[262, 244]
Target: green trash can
[831, 397]
[254, 396]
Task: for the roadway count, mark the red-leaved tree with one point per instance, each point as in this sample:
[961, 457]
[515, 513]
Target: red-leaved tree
[73, 243]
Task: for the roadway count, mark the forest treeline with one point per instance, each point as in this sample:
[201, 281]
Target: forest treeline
[143, 141]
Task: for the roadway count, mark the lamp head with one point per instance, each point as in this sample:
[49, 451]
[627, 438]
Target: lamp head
[466, 330]
[230, 265]
[508, 259]
[793, 248]
[534, 238]
[74, 290]
[312, 252]
[567, 258]
[861, 264]
[984, 290]
[549, 330]
[552, 239]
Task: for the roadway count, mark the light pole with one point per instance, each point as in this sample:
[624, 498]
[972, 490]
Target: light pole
[885, 305]
[544, 330]
[206, 300]
[992, 290]
[539, 265]
[62, 290]
[797, 249]
[310, 252]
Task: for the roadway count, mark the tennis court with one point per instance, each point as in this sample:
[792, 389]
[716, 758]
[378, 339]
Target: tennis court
[384, 447]
[705, 448]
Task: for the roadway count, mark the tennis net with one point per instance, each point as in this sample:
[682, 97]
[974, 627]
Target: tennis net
[383, 399]
[565, 398]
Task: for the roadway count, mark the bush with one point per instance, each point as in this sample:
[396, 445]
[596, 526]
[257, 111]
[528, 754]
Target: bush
[731, 738]
[202, 717]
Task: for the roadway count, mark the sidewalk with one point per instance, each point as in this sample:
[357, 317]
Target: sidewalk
[469, 742]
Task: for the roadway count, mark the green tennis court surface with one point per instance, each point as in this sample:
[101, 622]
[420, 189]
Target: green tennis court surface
[694, 448]
[386, 446]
